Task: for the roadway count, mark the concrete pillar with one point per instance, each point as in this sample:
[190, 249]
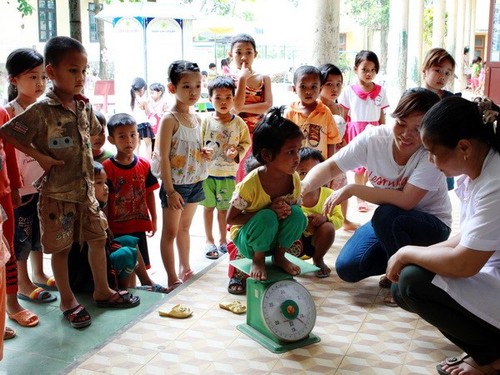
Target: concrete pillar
[472, 36]
[398, 49]
[459, 83]
[415, 41]
[451, 9]
[438, 25]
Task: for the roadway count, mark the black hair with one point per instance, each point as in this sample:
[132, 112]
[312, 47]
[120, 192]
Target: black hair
[100, 117]
[98, 167]
[272, 132]
[57, 47]
[329, 69]
[415, 100]
[307, 153]
[137, 84]
[365, 55]
[224, 62]
[466, 50]
[304, 70]
[156, 86]
[212, 65]
[120, 119]
[243, 38]
[221, 82]
[179, 67]
[19, 61]
[455, 118]
[251, 163]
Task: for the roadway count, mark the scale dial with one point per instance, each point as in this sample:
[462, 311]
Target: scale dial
[288, 310]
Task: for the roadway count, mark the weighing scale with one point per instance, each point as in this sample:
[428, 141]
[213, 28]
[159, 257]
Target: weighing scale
[280, 311]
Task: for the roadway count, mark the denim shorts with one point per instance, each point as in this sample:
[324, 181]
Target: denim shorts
[27, 231]
[191, 193]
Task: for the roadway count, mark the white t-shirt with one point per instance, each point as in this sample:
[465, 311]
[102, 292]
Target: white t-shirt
[363, 110]
[372, 149]
[480, 230]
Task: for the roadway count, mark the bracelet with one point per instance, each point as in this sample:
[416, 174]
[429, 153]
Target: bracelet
[172, 193]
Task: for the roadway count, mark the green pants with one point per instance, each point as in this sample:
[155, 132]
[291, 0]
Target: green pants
[264, 232]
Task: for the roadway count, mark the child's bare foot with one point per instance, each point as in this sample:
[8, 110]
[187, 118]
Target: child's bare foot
[258, 270]
[283, 263]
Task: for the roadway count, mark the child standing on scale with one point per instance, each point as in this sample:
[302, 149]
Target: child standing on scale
[320, 232]
[26, 84]
[228, 135]
[131, 209]
[365, 102]
[332, 81]
[438, 68]
[183, 167]
[310, 114]
[265, 214]
[253, 95]
[56, 132]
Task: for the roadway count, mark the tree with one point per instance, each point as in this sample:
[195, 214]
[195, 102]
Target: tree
[373, 15]
[24, 7]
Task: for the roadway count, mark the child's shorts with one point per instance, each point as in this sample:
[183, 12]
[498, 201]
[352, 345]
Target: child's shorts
[62, 223]
[218, 192]
[191, 193]
[27, 231]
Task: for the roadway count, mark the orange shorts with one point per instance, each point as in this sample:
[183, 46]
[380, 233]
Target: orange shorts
[62, 223]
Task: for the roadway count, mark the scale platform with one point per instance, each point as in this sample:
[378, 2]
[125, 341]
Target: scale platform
[281, 312]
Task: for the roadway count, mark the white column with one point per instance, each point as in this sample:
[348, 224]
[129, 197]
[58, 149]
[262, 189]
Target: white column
[438, 25]
[459, 83]
[398, 49]
[415, 40]
[472, 37]
[451, 9]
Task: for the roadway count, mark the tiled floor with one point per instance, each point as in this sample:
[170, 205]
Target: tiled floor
[359, 335]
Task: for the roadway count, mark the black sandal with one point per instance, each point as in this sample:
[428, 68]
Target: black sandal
[78, 317]
[234, 284]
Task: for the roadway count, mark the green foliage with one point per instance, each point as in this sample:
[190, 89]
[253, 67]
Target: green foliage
[373, 14]
[24, 7]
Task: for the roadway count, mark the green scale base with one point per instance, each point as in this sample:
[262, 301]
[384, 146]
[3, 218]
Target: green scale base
[280, 311]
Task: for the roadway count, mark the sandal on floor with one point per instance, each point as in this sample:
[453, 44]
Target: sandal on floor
[120, 300]
[389, 300]
[211, 251]
[363, 207]
[157, 288]
[465, 358]
[323, 272]
[187, 275]
[25, 318]
[175, 285]
[50, 285]
[235, 284]
[9, 333]
[235, 307]
[78, 317]
[178, 311]
[39, 295]
[384, 282]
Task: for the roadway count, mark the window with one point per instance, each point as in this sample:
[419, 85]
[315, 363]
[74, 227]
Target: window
[92, 24]
[342, 41]
[46, 19]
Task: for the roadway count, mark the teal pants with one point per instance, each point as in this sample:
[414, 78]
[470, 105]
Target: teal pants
[264, 232]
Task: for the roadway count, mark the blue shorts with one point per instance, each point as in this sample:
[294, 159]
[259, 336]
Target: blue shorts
[27, 231]
[191, 193]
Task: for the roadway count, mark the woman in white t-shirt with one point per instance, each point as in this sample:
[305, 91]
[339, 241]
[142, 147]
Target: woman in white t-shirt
[455, 284]
[414, 207]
